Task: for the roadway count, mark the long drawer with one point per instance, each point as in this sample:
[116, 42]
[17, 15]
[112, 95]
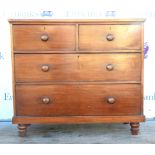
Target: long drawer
[69, 100]
[43, 37]
[110, 37]
[77, 67]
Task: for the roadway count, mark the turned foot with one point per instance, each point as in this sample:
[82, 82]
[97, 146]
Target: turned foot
[22, 128]
[134, 128]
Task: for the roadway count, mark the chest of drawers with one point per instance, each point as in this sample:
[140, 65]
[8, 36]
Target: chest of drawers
[77, 71]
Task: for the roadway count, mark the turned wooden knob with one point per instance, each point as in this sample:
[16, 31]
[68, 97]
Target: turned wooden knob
[44, 37]
[45, 100]
[111, 100]
[109, 67]
[45, 68]
[110, 37]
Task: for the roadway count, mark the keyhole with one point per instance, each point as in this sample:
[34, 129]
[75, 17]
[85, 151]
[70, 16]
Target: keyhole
[78, 61]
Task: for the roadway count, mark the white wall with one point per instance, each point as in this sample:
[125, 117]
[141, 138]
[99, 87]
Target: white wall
[75, 9]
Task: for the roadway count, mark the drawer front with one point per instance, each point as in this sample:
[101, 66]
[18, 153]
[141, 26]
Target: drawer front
[76, 100]
[77, 67]
[110, 37]
[43, 37]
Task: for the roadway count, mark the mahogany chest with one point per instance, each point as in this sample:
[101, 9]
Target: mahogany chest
[77, 71]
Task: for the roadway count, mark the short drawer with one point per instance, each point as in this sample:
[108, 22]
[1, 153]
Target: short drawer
[43, 37]
[110, 37]
[77, 67]
[76, 100]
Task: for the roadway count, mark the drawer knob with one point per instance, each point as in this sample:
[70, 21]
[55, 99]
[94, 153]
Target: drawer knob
[44, 37]
[45, 100]
[109, 67]
[111, 100]
[110, 37]
[45, 68]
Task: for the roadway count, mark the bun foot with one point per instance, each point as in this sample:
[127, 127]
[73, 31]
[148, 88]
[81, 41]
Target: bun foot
[134, 128]
[22, 128]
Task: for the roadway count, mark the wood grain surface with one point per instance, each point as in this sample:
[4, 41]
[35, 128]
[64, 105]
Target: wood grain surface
[77, 67]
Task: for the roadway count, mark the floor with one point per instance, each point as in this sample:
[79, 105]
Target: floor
[78, 134]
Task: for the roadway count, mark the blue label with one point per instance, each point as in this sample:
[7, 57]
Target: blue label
[47, 13]
[110, 13]
[1, 56]
[146, 50]
[8, 97]
[149, 97]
